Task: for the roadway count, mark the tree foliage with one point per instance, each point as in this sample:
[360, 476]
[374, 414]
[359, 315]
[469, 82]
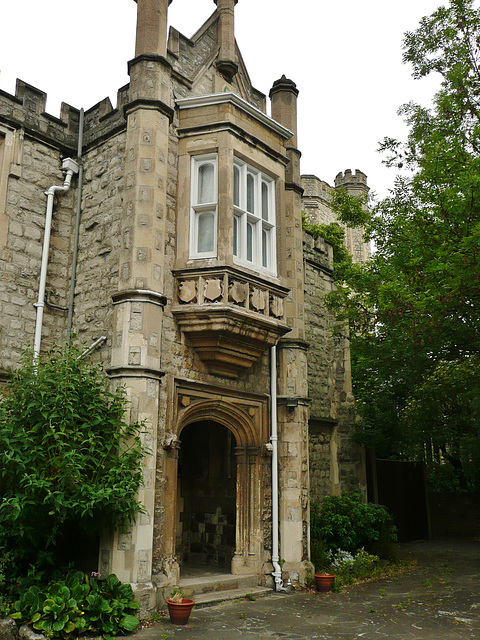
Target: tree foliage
[414, 307]
[70, 465]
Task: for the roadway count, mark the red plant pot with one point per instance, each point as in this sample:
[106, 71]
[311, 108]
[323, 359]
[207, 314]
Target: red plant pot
[324, 581]
[180, 611]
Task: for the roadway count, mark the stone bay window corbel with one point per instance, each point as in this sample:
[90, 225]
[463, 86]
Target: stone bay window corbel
[231, 318]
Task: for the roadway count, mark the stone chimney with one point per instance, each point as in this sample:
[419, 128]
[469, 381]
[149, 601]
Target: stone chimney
[227, 57]
[283, 95]
[152, 27]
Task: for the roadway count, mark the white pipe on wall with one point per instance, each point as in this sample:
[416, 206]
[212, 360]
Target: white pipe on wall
[69, 167]
[277, 572]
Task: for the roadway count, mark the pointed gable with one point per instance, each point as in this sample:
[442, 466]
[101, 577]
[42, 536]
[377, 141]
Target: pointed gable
[194, 63]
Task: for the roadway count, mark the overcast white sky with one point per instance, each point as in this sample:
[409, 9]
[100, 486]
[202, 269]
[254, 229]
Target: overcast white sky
[344, 55]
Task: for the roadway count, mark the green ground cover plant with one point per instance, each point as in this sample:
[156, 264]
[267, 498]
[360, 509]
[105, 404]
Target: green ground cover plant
[78, 604]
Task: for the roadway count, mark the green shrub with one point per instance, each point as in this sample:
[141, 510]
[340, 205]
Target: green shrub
[76, 605]
[345, 522]
[70, 465]
[349, 568]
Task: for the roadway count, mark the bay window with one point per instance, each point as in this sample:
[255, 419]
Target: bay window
[254, 217]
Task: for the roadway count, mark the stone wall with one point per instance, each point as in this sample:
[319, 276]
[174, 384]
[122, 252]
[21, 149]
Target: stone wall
[317, 198]
[20, 255]
[99, 242]
[335, 460]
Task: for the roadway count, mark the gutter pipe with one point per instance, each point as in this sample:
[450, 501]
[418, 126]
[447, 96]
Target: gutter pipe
[92, 347]
[78, 210]
[277, 572]
[69, 167]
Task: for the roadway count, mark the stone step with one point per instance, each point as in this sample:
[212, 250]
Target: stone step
[207, 599]
[206, 584]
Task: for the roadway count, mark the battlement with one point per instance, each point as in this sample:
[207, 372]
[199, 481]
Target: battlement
[348, 178]
[26, 109]
[102, 120]
[318, 253]
[313, 187]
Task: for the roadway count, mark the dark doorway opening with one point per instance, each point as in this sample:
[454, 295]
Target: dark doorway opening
[206, 496]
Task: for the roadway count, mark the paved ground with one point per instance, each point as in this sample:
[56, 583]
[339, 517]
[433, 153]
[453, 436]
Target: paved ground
[439, 600]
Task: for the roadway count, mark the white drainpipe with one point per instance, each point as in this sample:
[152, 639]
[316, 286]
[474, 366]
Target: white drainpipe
[277, 573]
[69, 167]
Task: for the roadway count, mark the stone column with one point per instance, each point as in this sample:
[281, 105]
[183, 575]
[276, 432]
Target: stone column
[152, 27]
[247, 558]
[227, 56]
[139, 302]
[293, 405]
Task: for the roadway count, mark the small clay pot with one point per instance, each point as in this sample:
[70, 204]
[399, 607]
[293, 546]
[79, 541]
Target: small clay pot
[180, 611]
[324, 581]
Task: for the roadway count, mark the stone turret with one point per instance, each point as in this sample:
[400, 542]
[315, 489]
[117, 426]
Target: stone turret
[227, 57]
[354, 183]
[141, 268]
[292, 383]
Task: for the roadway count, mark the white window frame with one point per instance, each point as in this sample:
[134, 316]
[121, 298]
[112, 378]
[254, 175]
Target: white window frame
[197, 209]
[257, 255]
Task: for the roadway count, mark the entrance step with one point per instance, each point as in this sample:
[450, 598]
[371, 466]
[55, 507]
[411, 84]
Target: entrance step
[209, 589]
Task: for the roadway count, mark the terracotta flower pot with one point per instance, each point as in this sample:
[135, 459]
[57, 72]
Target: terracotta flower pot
[324, 581]
[180, 611]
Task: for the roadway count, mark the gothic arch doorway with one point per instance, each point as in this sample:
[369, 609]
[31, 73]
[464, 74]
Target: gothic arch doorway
[215, 458]
[206, 496]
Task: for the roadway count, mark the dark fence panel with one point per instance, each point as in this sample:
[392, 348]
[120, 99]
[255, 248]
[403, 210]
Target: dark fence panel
[400, 486]
[454, 515]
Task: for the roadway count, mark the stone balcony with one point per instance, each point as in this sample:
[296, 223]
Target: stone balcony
[230, 317]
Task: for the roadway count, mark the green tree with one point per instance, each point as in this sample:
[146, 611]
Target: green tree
[414, 307]
[70, 465]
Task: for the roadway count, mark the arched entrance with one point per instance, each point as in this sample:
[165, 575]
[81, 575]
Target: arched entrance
[216, 469]
[206, 496]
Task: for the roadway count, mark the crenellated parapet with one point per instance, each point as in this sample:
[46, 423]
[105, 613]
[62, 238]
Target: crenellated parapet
[352, 181]
[318, 253]
[314, 187]
[103, 120]
[26, 110]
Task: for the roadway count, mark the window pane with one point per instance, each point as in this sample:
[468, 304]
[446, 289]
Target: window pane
[265, 248]
[235, 235]
[249, 242]
[250, 193]
[205, 232]
[236, 186]
[205, 183]
[264, 201]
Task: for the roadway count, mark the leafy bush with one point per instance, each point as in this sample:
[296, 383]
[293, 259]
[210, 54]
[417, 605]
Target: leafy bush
[70, 465]
[78, 604]
[349, 568]
[344, 522]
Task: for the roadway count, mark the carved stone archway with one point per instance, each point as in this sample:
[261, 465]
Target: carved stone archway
[246, 416]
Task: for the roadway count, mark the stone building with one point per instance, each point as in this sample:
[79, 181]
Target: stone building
[172, 244]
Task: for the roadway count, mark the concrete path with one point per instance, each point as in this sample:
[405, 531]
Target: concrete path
[439, 600]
